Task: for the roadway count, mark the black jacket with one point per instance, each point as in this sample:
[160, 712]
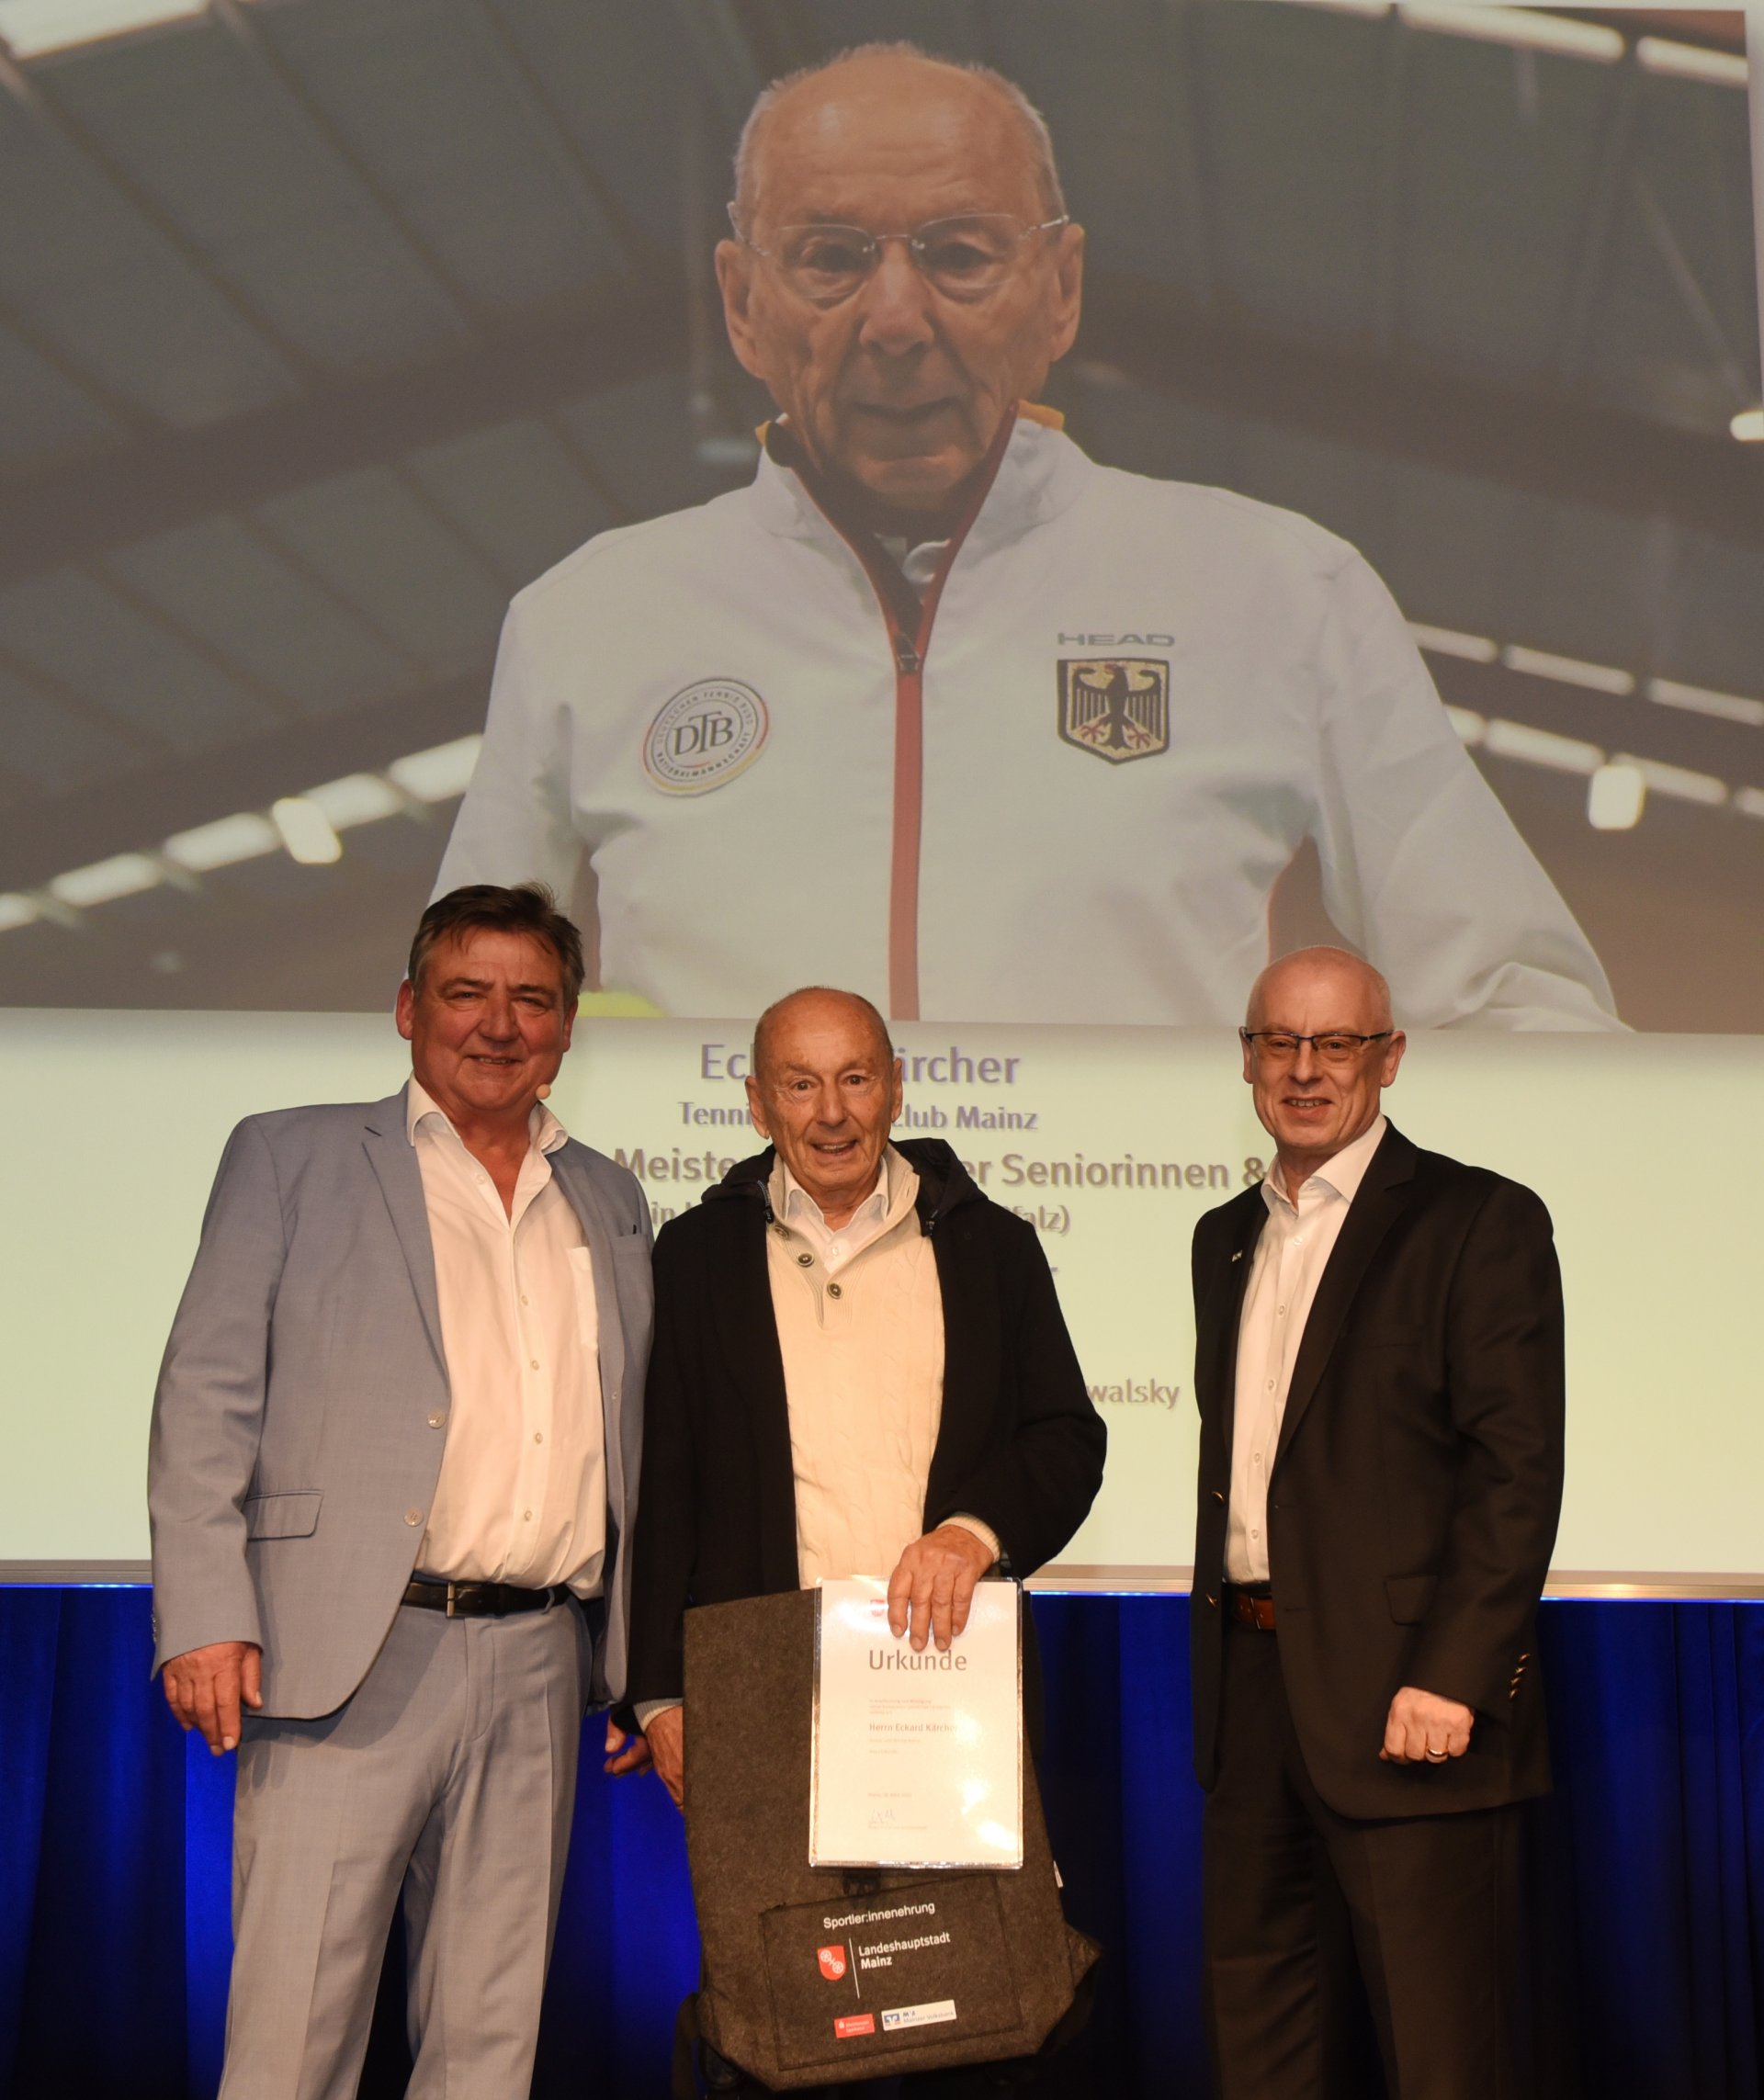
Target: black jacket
[1413, 1498]
[1019, 1444]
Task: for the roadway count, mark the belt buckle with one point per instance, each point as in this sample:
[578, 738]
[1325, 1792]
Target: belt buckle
[452, 1591]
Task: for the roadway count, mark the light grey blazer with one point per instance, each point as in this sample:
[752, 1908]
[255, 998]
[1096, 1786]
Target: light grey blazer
[303, 1400]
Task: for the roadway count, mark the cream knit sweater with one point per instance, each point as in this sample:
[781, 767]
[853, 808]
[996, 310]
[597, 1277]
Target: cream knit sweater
[863, 1376]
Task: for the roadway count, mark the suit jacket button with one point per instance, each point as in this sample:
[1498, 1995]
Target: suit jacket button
[413, 1516]
[806, 1261]
[1212, 1599]
[436, 1419]
[833, 1291]
[1217, 1496]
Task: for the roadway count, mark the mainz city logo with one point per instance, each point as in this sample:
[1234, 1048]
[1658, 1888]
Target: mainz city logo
[1116, 707]
[705, 736]
[832, 1962]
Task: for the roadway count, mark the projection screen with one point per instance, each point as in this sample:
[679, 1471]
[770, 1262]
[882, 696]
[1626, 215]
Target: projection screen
[327, 331]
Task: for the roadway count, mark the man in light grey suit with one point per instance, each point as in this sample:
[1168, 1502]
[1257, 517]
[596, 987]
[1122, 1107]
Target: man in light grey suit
[393, 1472]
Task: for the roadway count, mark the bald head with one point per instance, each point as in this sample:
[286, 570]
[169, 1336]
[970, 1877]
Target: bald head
[895, 358]
[1329, 974]
[825, 1088]
[848, 92]
[818, 1007]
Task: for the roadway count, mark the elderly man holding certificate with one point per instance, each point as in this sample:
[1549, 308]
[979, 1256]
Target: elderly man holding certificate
[861, 1370]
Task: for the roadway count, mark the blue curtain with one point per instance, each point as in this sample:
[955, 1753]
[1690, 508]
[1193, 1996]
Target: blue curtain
[1646, 1865]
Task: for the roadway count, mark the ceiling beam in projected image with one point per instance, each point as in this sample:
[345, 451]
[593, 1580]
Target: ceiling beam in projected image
[42, 836]
[1544, 441]
[75, 513]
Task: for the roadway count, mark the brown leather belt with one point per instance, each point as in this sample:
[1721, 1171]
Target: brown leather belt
[481, 1599]
[1250, 1608]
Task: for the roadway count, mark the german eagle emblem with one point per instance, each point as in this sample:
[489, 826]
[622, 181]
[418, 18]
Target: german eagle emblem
[1116, 706]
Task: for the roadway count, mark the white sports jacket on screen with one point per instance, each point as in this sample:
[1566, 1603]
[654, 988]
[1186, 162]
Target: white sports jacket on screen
[1065, 795]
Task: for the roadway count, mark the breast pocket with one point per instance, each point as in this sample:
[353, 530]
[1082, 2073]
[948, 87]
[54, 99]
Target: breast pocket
[1392, 1337]
[582, 1281]
[631, 1280]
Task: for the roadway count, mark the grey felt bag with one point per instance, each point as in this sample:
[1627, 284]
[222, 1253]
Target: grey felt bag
[985, 1958]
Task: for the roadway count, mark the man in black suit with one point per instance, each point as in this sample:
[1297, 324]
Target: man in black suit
[1379, 1372]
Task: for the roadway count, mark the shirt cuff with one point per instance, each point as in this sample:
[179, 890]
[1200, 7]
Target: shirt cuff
[988, 1536]
[646, 1709]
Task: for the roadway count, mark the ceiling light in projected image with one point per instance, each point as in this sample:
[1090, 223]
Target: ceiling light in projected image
[1569, 669]
[124, 874]
[1541, 747]
[1529, 26]
[1677, 780]
[222, 844]
[1701, 700]
[31, 27]
[306, 831]
[357, 798]
[1447, 641]
[1691, 62]
[438, 774]
[1616, 796]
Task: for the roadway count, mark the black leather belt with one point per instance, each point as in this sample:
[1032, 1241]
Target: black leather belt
[481, 1599]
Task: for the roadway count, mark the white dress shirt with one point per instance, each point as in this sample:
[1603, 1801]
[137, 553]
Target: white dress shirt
[1287, 1266]
[868, 1221]
[522, 1496]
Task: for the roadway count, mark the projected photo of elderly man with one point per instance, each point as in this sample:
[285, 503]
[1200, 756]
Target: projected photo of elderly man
[1047, 733]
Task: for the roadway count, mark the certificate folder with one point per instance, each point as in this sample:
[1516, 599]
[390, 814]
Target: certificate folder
[815, 1975]
[916, 1755]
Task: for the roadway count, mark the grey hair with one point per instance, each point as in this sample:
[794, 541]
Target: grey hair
[1028, 119]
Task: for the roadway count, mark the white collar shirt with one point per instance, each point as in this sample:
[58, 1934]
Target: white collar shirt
[522, 1493]
[868, 1221]
[1291, 1255]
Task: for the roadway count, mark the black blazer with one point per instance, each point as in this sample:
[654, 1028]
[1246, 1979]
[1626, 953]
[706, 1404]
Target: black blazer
[1413, 1498]
[1019, 1444]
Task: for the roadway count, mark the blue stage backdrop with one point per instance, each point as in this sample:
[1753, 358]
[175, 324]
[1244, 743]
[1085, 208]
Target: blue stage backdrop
[1647, 1866]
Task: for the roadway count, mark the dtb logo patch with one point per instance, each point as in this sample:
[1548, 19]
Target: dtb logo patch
[1116, 707]
[705, 736]
[832, 1962]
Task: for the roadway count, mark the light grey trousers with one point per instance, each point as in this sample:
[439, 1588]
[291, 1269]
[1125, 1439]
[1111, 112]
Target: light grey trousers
[448, 1776]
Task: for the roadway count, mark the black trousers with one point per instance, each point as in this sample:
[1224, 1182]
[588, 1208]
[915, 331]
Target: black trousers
[1295, 1894]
